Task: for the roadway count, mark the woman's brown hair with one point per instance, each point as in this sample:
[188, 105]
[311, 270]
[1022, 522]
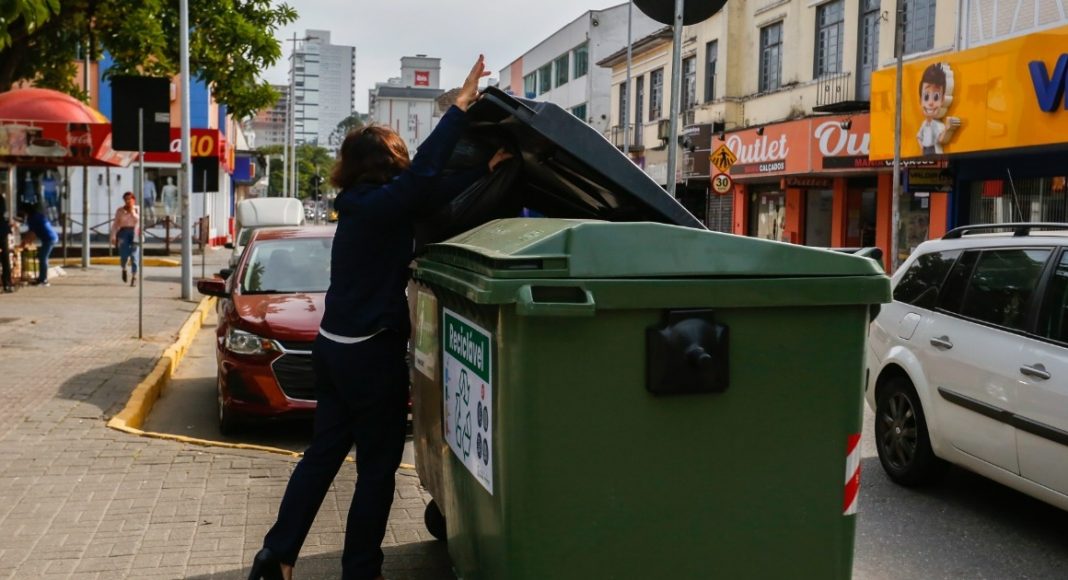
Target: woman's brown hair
[370, 154]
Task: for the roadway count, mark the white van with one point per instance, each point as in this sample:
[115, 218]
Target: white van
[262, 212]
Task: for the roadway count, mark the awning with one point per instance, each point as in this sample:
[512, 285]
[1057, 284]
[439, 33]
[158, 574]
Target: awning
[46, 127]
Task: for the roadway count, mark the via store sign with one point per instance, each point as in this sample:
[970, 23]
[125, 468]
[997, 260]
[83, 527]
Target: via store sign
[1049, 88]
[1005, 95]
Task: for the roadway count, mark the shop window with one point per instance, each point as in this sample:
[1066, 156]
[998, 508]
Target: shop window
[1040, 199]
[656, 94]
[767, 216]
[771, 57]
[830, 22]
[921, 284]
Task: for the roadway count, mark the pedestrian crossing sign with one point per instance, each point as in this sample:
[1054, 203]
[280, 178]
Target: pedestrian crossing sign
[723, 158]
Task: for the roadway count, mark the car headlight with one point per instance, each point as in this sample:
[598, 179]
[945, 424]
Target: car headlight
[241, 342]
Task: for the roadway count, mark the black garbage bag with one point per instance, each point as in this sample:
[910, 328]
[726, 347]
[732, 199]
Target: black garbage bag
[491, 197]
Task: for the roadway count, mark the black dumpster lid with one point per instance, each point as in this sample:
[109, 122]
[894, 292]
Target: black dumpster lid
[569, 169]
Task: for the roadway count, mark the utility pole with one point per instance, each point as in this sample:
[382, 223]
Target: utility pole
[185, 177]
[895, 199]
[626, 86]
[676, 88]
[86, 250]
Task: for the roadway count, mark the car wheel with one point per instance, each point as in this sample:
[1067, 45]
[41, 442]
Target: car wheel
[901, 435]
[227, 423]
[435, 521]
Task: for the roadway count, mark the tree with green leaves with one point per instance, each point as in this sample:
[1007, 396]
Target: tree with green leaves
[353, 121]
[312, 161]
[231, 43]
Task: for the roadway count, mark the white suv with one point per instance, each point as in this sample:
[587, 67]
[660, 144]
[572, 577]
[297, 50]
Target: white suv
[969, 364]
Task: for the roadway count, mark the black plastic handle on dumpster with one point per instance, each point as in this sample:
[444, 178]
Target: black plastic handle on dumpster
[688, 354]
[539, 300]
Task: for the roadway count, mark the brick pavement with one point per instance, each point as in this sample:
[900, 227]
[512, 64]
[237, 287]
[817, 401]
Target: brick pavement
[78, 500]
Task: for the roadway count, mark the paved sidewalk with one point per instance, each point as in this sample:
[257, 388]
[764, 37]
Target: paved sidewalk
[78, 500]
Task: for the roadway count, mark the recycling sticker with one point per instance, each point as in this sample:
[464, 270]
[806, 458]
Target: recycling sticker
[467, 362]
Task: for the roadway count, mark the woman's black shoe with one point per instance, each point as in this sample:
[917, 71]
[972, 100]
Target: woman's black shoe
[266, 566]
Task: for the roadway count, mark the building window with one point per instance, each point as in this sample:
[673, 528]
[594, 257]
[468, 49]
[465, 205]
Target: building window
[530, 85]
[580, 112]
[545, 79]
[711, 56]
[830, 21]
[771, 57]
[656, 94]
[689, 83]
[919, 25]
[582, 61]
[623, 103]
[561, 66]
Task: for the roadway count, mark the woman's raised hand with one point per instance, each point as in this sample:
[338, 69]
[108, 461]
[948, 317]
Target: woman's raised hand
[469, 92]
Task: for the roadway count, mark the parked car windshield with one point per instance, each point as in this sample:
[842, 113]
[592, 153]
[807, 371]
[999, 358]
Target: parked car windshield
[288, 265]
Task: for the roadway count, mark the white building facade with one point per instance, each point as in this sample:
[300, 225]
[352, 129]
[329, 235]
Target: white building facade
[324, 87]
[407, 103]
[561, 69]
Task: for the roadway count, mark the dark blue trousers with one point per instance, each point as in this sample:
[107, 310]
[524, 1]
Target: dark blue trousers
[362, 394]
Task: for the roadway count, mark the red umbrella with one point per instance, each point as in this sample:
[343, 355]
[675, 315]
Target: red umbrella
[46, 127]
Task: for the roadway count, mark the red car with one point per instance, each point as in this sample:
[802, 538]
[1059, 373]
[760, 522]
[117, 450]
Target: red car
[269, 315]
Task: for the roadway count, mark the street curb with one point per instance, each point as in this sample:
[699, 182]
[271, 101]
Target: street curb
[152, 262]
[145, 394]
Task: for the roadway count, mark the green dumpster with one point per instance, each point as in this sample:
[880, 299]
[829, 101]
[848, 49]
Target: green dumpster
[639, 400]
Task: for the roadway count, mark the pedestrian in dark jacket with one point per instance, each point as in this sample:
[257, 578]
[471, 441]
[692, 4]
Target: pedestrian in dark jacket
[5, 249]
[359, 356]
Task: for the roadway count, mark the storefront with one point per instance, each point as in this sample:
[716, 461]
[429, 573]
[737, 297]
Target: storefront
[1002, 127]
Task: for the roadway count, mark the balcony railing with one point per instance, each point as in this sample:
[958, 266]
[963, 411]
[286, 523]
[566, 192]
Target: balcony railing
[835, 94]
[617, 134]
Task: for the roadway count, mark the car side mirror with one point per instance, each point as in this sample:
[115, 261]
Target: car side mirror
[225, 273]
[212, 287]
[229, 245]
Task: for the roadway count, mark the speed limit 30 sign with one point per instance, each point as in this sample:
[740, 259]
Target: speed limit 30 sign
[722, 183]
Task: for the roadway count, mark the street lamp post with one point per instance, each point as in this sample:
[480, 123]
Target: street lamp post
[895, 194]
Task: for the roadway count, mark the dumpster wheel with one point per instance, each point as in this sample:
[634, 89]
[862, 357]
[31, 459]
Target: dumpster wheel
[435, 521]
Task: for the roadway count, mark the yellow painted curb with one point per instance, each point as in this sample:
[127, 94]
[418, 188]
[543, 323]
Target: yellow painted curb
[154, 262]
[145, 394]
[148, 390]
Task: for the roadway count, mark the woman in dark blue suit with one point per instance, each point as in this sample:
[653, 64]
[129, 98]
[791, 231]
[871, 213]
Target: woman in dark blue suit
[359, 356]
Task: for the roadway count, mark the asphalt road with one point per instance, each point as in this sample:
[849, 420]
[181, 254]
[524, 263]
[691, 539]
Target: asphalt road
[964, 527]
[188, 406]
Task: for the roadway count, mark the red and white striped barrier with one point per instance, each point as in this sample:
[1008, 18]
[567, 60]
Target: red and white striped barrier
[852, 475]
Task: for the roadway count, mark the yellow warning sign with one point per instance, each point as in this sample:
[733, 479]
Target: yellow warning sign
[723, 158]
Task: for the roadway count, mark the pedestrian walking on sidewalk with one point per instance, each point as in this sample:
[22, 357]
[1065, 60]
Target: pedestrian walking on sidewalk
[361, 375]
[124, 230]
[5, 250]
[46, 235]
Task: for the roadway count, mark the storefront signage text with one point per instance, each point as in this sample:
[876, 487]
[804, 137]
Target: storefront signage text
[1049, 89]
[762, 155]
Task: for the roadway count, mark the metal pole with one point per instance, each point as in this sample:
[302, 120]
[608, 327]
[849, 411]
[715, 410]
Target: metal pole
[85, 173]
[895, 198]
[268, 194]
[203, 222]
[676, 88]
[293, 118]
[185, 175]
[626, 87]
[141, 223]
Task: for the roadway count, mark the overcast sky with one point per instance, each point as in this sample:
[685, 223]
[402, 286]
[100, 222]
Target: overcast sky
[455, 30]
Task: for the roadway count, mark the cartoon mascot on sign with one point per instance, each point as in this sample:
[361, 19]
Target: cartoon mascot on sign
[936, 96]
